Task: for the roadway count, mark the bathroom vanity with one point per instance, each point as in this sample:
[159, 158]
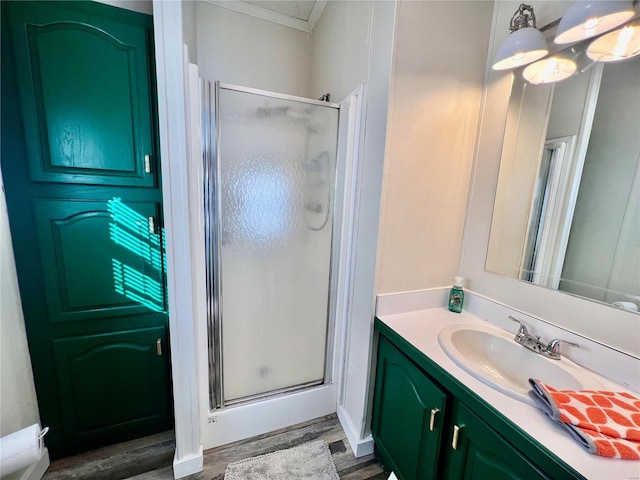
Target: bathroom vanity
[433, 419]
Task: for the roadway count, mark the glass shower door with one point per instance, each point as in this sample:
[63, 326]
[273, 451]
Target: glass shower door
[275, 176]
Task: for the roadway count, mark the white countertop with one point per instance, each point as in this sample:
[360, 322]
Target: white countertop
[421, 328]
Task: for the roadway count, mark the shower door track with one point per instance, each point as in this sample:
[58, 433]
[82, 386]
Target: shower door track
[213, 245]
[272, 393]
[281, 96]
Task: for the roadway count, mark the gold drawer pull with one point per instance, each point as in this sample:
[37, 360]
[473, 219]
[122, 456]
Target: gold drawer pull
[432, 420]
[456, 431]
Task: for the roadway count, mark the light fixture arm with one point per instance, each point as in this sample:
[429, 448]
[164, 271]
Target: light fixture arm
[522, 17]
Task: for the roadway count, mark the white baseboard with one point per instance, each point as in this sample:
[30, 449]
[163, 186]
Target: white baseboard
[360, 446]
[188, 465]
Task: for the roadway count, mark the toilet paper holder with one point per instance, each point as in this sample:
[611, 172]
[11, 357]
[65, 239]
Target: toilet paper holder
[43, 432]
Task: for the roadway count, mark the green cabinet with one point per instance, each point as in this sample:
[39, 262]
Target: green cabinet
[429, 426]
[477, 452]
[85, 90]
[408, 415]
[81, 169]
[121, 375]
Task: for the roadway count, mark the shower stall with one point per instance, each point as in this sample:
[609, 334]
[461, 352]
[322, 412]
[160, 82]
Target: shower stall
[270, 197]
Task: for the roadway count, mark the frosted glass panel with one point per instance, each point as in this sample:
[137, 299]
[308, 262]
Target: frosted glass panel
[277, 175]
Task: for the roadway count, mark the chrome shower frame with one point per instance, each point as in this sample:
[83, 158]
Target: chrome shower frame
[211, 141]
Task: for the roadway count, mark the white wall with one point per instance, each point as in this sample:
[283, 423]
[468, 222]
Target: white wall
[247, 51]
[340, 48]
[190, 29]
[433, 123]
[18, 407]
[568, 105]
[142, 6]
[352, 43]
[611, 326]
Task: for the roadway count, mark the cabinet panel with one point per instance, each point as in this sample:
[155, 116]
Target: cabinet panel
[84, 86]
[481, 454]
[100, 258]
[112, 382]
[404, 433]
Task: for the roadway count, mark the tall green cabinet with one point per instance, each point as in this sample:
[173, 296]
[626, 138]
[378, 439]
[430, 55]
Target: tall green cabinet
[80, 163]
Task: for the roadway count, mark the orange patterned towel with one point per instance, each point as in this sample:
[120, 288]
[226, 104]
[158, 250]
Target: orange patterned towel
[605, 423]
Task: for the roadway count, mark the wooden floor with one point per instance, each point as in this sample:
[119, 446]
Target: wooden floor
[150, 458]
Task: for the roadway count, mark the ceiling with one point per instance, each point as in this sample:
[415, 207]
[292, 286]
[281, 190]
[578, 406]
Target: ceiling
[298, 14]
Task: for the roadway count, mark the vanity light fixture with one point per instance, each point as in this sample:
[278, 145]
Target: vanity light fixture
[587, 18]
[618, 45]
[525, 43]
[549, 70]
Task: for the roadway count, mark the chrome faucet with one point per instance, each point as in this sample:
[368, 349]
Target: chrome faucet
[553, 349]
[533, 342]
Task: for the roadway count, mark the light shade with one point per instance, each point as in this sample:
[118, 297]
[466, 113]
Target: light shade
[587, 18]
[521, 47]
[549, 70]
[618, 45]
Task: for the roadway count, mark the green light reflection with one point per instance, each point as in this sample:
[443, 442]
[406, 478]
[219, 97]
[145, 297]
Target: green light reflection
[131, 230]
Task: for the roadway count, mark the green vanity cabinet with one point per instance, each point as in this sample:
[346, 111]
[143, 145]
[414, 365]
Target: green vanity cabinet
[429, 426]
[408, 414]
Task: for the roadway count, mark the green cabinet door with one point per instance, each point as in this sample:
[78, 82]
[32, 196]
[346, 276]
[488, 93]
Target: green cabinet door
[85, 94]
[100, 258]
[113, 383]
[408, 415]
[477, 452]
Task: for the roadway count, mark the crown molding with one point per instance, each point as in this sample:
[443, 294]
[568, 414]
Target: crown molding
[316, 11]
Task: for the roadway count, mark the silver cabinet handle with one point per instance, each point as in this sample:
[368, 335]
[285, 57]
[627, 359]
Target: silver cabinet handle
[432, 420]
[456, 431]
[147, 163]
[159, 347]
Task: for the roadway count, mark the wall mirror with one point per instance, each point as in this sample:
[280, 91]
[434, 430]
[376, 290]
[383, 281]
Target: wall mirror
[567, 207]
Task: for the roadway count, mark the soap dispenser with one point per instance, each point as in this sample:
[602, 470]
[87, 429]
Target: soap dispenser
[456, 296]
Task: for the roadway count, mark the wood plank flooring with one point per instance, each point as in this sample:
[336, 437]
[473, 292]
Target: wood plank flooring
[151, 458]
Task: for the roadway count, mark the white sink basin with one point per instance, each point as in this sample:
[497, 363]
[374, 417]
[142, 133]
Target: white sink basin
[493, 357]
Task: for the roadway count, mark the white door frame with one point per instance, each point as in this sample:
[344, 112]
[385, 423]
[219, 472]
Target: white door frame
[174, 148]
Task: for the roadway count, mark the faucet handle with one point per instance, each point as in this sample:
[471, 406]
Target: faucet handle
[523, 328]
[554, 346]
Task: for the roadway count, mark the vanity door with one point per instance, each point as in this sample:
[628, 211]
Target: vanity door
[477, 452]
[408, 415]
